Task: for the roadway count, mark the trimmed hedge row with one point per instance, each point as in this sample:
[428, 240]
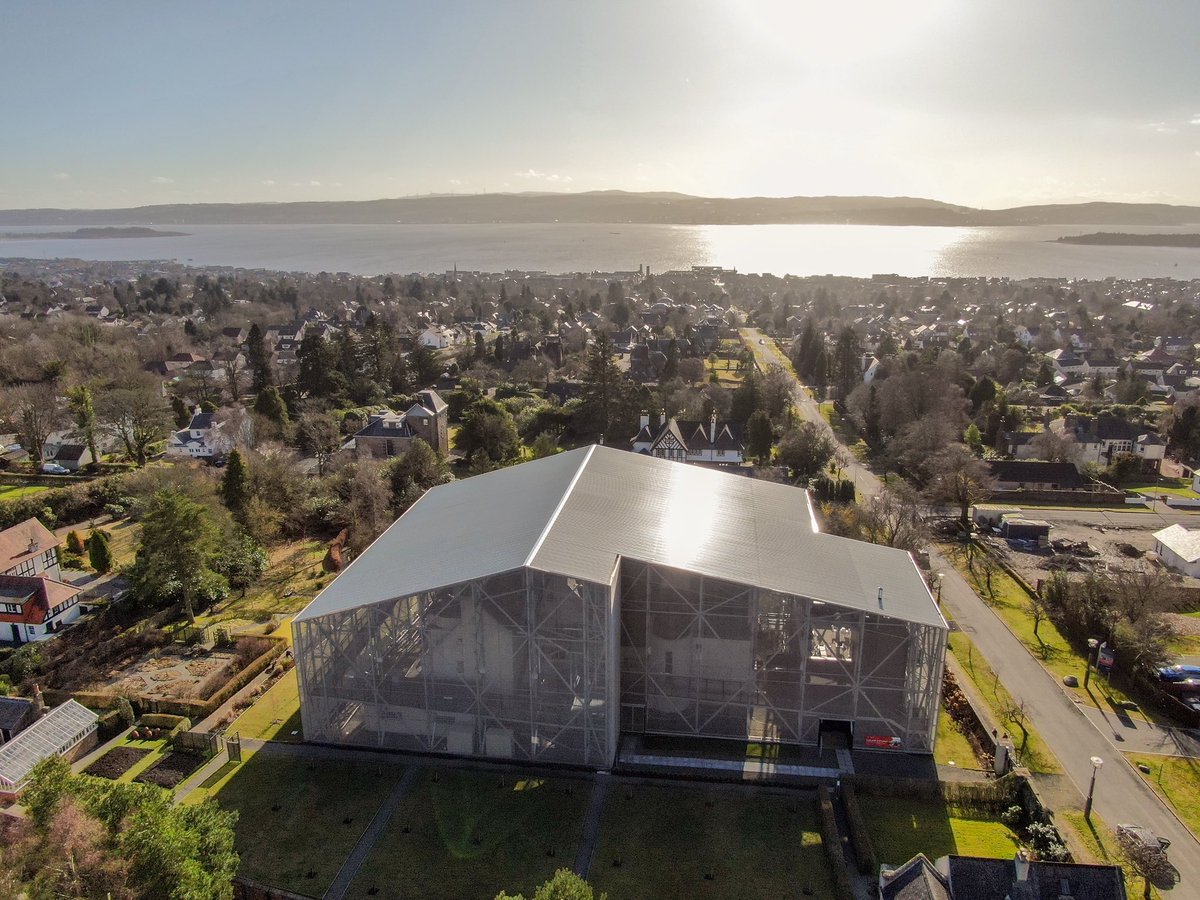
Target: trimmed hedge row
[162, 720]
[832, 840]
[860, 838]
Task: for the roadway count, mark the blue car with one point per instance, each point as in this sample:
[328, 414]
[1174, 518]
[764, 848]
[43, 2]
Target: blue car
[1179, 673]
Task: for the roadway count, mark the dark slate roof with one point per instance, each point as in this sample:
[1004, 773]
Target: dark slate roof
[430, 400]
[377, 427]
[201, 421]
[70, 452]
[13, 711]
[1025, 471]
[978, 878]
[917, 879]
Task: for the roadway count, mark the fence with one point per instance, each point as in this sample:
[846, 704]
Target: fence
[965, 798]
[199, 741]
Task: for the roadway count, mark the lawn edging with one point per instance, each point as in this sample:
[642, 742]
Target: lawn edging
[832, 839]
[860, 838]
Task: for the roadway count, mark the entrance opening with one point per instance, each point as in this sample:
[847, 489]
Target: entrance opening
[835, 734]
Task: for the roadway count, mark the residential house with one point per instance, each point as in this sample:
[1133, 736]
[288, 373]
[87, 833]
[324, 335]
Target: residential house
[16, 714]
[1102, 438]
[68, 730]
[713, 442]
[29, 548]
[1031, 475]
[203, 438]
[983, 878]
[439, 337]
[391, 433]
[72, 457]
[1179, 549]
[1067, 362]
[34, 607]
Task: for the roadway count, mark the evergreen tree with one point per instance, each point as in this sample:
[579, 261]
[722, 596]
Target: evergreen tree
[84, 410]
[180, 411]
[74, 544]
[671, 367]
[100, 555]
[747, 398]
[847, 363]
[501, 350]
[259, 359]
[424, 366]
[270, 405]
[235, 484]
[177, 540]
[604, 386]
[871, 418]
[759, 437]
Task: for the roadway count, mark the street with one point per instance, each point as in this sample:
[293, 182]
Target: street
[1121, 796]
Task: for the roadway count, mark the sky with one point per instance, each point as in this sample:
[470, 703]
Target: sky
[988, 103]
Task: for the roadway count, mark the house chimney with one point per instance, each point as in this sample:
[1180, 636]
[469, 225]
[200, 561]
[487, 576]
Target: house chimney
[33, 545]
[1021, 863]
[712, 428]
[39, 705]
[644, 419]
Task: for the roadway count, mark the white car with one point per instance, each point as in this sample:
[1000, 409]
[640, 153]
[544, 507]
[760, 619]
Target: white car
[54, 469]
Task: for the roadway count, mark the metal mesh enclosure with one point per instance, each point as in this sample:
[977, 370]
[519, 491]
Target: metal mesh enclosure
[706, 657]
[514, 665]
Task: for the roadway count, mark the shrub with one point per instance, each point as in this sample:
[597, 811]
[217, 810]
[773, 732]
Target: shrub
[99, 553]
[1013, 816]
[74, 544]
[125, 711]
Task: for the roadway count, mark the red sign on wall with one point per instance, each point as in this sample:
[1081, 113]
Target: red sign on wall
[883, 742]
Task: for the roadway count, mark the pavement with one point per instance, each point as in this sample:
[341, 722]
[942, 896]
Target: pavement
[1071, 734]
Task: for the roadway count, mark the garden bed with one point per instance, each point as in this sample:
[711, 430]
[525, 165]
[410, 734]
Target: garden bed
[171, 769]
[116, 762]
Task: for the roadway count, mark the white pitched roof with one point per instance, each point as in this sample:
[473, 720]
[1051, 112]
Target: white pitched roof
[579, 512]
[1180, 541]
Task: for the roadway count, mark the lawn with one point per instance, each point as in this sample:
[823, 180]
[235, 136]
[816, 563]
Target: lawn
[1177, 780]
[1050, 647]
[667, 840]
[474, 834]
[1175, 487]
[275, 715]
[293, 577]
[952, 745]
[1100, 842]
[292, 829]
[13, 491]
[902, 827]
[1037, 756]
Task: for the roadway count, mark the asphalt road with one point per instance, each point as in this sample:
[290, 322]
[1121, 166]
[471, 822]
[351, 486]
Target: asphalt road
[1121, 795]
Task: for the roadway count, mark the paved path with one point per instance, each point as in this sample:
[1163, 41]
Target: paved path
[591, 824]
[1121, 796]
[1132, 735]
[366, 842]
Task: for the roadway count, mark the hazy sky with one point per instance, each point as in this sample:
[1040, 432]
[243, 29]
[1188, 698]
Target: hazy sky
[981, 102]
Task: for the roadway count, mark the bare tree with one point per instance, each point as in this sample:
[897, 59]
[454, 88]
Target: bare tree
[1054, 447]
[960, 479]
[1148, 859]
[231, 368]
[892, 518]
[36, 411]
[138, 416]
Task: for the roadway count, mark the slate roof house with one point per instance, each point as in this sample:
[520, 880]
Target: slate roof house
[29, 548]
[714, 442]
[391, 433]
[202, 439]
[1032, 475]
[539, 611]
[16, 714]
[72, 457]
[1102, 438]
[980, 878]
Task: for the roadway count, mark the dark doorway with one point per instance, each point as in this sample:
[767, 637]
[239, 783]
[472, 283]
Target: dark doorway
[16, 634]
[835, 734]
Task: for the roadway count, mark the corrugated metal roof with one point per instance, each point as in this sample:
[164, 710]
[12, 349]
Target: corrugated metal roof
[59, 728]
[576, 513]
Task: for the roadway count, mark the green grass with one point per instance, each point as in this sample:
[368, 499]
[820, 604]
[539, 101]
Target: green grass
[1099, 843]
[902, 828]
[308, 833]
[1037, 756]
[474, 834]
[667, 839]
[275, 715]
[293, 577]
[1049, 647]
[1175, 487]
[10, 491]
[1177, 780]
[952, 745]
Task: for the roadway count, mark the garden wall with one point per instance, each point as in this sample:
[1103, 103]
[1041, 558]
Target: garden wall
[1110, 497]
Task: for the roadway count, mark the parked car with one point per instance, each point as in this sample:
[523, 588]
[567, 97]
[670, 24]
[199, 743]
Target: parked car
[54, 469]
[1176, 674]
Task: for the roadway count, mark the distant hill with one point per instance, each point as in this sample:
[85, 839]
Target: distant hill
[85, 234]
[1117, 239]
[611, 207]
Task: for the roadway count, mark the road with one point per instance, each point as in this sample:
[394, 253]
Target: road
[1121, 795]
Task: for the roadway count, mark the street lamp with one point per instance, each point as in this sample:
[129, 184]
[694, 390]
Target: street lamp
[1093, 644]
[1097, 762]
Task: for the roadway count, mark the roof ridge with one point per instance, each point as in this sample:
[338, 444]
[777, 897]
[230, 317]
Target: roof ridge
[537, 545]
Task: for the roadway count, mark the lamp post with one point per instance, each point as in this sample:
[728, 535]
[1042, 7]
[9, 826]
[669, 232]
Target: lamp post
[1097, 762]
[1093, 644]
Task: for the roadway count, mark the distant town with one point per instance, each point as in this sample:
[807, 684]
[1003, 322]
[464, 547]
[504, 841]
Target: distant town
[1001, 474]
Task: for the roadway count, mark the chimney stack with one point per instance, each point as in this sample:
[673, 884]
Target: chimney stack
[712, 428]
[39, 705]
[1021, 863]
[644, 419]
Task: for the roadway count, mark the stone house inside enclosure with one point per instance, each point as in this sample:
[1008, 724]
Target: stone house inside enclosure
[537, 612]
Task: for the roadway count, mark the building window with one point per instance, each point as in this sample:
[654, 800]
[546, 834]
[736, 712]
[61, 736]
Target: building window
[12, 607]
[29, 567]
[50, 558]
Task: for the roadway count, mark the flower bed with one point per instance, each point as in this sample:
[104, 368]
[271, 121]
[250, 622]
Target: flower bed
[116, 762]
[171, 769]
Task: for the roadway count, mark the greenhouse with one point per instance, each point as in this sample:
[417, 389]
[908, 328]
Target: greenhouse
[537, 612]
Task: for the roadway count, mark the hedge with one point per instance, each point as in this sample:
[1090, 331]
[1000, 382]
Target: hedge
[163, 720]
[109, 725]
[68, 505]
[832, 840]
[864, 847]
[965, 798]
